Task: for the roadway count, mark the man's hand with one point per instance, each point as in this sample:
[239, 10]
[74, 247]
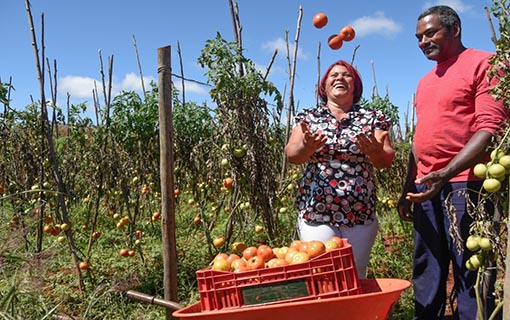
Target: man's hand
[434, 181]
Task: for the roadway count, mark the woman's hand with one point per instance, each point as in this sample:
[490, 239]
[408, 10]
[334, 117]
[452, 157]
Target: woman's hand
[377, 147]
[312, 141]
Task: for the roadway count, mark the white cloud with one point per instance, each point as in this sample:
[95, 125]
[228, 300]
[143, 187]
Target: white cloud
[77, 87]
[191, 87]
[280, 45]
[376, 24]
[81, 87]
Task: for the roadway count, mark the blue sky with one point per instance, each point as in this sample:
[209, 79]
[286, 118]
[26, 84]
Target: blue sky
[75, 31]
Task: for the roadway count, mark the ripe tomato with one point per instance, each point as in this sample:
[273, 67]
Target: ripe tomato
[304, 246]
[131, 253]
[156, 216]
[177, 192]
[316, 248]
[220, 256]
[238, 265]
[335, 41]
[221, 265]
[84, 265]
[249, 252]
[228, 182]
[320, 20]
[280, 252]
[330, 245]
[276, 262]
[290, 255]
[338, 240]
[124, 252]
[300, 257]
[231, 257]
[218, 242]
[347, 33]
[266, 252]
[197, 220]
[256, 262]
[296, 244]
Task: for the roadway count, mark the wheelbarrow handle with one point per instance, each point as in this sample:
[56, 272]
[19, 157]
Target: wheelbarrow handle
[136, 295]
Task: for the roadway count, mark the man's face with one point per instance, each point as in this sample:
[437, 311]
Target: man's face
[436, 42]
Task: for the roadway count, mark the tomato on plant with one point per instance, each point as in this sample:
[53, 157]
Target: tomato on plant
[228, 182]
[84, 265]
[218, 242]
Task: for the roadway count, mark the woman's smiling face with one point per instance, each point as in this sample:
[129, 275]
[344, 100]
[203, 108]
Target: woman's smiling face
[339, 84]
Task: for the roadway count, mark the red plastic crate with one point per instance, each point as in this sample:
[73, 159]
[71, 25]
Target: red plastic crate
[332, 274]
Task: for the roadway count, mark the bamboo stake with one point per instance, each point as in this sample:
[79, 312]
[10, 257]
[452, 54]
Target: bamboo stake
[52, 154]
[139, 65]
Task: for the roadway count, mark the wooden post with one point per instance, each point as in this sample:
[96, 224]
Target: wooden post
[167, 176]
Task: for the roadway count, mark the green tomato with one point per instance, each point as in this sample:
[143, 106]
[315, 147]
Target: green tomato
[505, 161]
[497, 154]
[473, 243]
[476, 260]
[497, 170]
[492, 185]
[485, 244]
[470, 266]
[480, 170]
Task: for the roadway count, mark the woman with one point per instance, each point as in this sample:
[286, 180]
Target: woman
[341, 142]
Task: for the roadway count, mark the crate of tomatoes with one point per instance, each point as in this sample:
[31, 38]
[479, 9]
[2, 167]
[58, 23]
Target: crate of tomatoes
[265, 275]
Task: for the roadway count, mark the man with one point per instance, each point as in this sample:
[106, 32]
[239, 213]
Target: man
[457, 119]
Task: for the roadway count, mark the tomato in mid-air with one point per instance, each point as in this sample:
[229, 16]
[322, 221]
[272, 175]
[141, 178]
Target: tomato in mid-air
[320, 20]
[335, 41]
[347, 33]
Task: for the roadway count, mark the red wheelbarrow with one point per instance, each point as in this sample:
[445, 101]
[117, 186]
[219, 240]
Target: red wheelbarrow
[373, 303]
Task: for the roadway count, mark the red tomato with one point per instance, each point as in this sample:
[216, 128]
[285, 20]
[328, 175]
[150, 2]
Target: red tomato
[320, 20]
[256, 262]
[84, 265]
[265, 252]
[238, 265]
[335, 41]
[228, 182]
[316, 248]
[276, 262]
[347, 33]
[249, 252]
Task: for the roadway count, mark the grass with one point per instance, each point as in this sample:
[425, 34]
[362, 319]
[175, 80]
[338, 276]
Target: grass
[40, 285]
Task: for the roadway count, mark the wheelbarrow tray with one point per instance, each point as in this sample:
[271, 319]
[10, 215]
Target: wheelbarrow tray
[374, 303]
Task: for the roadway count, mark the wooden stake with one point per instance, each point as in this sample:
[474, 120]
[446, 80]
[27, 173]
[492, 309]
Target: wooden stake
[167, 175]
